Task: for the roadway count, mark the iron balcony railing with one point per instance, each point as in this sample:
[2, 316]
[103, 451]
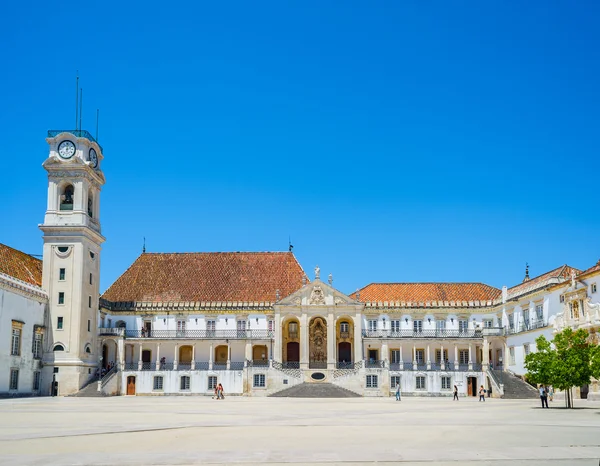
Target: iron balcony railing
[290, 365]
[110, 331]
[374, 364]
[526, 326]
[344, 365]
[469, 333]
[185, 366]
[80, 133]
[317, 364]
[258, 363]
[201, 334]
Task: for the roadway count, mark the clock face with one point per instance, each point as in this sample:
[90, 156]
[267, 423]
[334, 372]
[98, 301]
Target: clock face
[66, 149]
[93, 158]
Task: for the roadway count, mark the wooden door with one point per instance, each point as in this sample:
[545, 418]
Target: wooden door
[293, 352]
[345, 352]
[131, 385]
[185, 354]
[104, 356]
[469, 386]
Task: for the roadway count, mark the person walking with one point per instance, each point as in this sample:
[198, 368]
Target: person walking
[397, 392]
[543, 396]
[551, 393]
[220, 392]
[455, 393]
[482, 394]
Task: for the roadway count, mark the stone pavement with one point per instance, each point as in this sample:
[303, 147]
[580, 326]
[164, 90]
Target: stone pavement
[253, 431]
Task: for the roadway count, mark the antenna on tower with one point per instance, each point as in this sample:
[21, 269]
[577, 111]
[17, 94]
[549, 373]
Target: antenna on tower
[290, 245]
[144, 248]
[80, 106]
[77, 101]
[97, 117]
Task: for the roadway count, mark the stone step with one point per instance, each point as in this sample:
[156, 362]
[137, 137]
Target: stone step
[515, 388]
[316, 390]
[90, 391]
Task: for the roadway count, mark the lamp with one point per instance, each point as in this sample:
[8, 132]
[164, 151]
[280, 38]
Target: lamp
[452, 319]
[225, 320]
[406, 320]
[257, 320]
[429, 319]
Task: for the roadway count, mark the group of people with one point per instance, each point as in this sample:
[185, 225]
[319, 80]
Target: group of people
[545, 393]
[218, 393]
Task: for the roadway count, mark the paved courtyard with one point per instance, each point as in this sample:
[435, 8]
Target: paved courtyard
[197, 430]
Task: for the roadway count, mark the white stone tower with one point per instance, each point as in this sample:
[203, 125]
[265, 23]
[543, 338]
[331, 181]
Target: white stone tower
[71, 265]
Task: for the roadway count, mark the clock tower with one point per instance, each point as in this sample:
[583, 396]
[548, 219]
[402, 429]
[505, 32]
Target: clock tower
[71, 260]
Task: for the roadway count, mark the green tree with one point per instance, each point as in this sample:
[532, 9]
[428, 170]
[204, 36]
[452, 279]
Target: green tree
[572, 366]
[539, 364]
[569, 362]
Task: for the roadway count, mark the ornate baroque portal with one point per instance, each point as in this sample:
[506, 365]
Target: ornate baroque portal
[318, 343]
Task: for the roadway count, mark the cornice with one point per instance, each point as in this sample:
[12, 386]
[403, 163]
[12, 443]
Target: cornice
[23, 288]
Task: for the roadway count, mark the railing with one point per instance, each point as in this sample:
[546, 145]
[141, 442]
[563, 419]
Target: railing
[469, 333]
[80, 133]
[287, 369]
[290, 365]
[186, 366]
[236, 365]
[493, 331]
[258, 363]
[201, 334]
[421, 366]
[108, 375]
[344, 334]
[131, 366]
[477, 366]
[344, 365]
[462, 367]
[533, 324]
[374, 364]
[111, 331]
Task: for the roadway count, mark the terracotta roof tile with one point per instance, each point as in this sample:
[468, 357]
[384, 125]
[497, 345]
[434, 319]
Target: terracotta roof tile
[592, 269]
[557, 275]
[220, 276]
[19, 265]
[427, 292]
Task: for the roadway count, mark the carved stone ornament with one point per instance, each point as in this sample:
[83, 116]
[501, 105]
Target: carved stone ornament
[318, 340]
[338, 300]
[316, 296]
[298, 301]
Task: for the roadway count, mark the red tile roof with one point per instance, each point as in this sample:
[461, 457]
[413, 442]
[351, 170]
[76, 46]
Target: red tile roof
[592, 269]
[211, 277]
[557, 275]
[19, 265]
[427, 292]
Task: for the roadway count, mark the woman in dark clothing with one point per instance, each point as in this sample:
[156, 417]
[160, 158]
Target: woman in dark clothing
[455, 393]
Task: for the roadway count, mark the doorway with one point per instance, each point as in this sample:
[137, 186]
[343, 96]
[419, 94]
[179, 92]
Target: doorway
[104, 356]
[345, 352]
[472, 386]
[373, 355]
[293, 351]
[146, 355]
[185, 354]
[131, 385]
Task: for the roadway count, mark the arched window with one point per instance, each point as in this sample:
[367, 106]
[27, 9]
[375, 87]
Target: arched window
[88, 349]
[121, 324]
[66, 198]
[59, 348]
[293, 329]
[90, 204]
[344, 327]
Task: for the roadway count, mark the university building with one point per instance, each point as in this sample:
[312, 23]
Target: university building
[178, 324]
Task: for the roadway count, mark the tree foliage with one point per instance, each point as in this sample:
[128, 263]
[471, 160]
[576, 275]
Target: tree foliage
[569, 362]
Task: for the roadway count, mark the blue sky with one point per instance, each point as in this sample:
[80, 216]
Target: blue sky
[393, 141]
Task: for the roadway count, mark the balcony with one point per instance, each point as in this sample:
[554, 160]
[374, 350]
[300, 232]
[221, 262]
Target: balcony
[199, 334]
[75, 132]
[374, 364]
[527, 326]
[109, 331]
[197, 366]
[469, 333]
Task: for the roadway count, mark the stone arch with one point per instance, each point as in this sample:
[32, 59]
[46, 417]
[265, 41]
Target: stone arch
[344, 335]
[66, 196]
[185, 354]
[290, 339]
[221, 353]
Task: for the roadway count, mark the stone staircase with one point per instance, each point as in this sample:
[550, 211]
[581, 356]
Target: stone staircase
[316, 390]
[90, 391]
[515, 388]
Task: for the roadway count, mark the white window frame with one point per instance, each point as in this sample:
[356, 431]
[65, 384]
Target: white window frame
[440, 325]
[420, 355]
[511, 321]
[418, 326]
[270, 325]
[37, 378]
[181, 324]
[511, 355]
[212, 382]
[526, 319]
[259, 381]
[463, 326]
[185, 383]
[344, 327]
[14, 379]
[395, 325]
[395, 356]
[158, 383]
[37, 345]
[211, 327]
[420, 382]
[372, 325]
[446, 382]
[526, 349]
[372, 381]
[539, 311]
[463, 356]
[438, 356]
[15, 347]
[594, 287]
[395, 380]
